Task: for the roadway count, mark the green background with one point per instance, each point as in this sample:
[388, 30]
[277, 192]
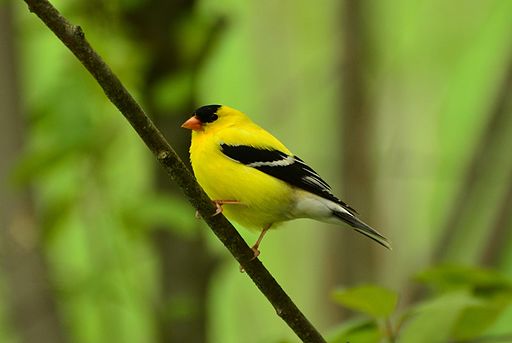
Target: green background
[82, 194]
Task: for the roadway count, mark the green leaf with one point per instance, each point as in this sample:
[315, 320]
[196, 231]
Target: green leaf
[472, 300]
[502, 323]
[451, 277]
[375, 301]
[360, 331]
[433, 321]
[476, 319]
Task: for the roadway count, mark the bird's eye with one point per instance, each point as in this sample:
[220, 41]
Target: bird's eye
[207, 114]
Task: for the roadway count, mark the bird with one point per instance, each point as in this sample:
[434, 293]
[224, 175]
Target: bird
[256, 181]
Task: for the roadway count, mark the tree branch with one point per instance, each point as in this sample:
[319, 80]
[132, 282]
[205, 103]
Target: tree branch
[73, 37]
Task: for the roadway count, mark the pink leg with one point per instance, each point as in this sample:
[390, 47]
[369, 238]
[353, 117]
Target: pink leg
[257, 244]
[218, 205]
[260, 238]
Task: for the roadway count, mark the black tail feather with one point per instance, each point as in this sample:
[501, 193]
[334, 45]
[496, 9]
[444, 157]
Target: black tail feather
[363, 228]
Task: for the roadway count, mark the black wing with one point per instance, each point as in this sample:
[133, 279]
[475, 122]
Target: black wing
[289, 169]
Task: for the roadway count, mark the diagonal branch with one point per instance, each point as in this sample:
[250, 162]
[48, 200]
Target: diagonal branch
[73, 37]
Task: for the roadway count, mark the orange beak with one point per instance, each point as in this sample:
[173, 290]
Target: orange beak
[193, 123]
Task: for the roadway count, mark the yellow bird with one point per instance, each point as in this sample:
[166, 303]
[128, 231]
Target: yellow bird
[255, 180]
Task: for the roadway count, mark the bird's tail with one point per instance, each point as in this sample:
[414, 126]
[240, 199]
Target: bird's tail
[363, 228]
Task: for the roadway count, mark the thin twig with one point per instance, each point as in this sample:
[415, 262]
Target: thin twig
[73, 37]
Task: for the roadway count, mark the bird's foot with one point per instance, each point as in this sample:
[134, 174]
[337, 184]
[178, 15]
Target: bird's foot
[255, 247]
[218, 204]
[256, 252]
[218, 207]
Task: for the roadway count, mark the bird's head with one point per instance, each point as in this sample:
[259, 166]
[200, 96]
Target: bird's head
[210, 117]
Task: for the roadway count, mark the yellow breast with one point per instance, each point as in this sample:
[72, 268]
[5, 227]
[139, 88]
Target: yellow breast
[263, 199]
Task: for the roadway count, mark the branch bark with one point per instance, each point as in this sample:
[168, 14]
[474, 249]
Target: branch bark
[73, 37]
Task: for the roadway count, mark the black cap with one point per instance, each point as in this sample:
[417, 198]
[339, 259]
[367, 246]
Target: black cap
[208, 113]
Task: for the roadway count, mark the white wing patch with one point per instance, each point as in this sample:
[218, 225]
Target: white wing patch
[278, 163]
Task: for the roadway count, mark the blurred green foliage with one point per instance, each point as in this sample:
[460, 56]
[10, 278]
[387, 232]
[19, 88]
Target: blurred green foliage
[464, 305]
[375, 301]
[436, 67]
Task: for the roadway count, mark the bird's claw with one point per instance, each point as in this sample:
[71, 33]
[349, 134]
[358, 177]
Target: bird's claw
[218, 205]
[218, 208]
[256, 253]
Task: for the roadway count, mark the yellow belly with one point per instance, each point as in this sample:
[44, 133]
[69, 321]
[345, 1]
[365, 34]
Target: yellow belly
[264, 200]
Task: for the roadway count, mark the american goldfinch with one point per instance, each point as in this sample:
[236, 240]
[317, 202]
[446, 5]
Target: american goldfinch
[255, 180]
